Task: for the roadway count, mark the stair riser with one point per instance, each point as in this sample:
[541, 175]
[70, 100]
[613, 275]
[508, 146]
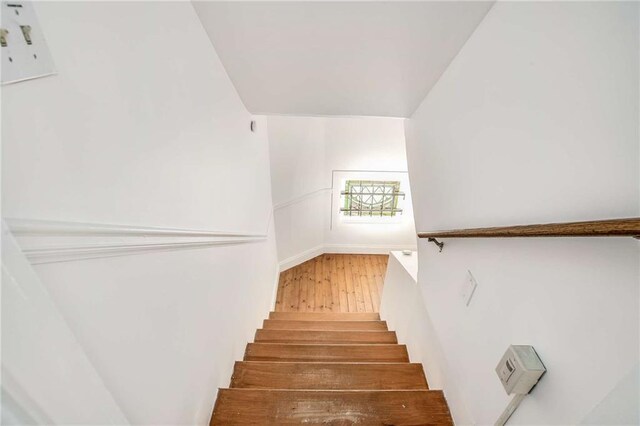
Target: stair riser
[325, 316]
[319, 337]
[325, 325]
[325, 353]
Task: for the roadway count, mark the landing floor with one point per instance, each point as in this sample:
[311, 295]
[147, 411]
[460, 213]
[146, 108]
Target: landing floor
[333, 283]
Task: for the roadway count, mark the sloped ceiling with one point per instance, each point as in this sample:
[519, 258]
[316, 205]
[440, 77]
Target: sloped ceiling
[337, 58]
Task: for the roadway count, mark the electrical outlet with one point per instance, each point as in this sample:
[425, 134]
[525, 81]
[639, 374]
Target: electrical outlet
[469, 288]
[25, 54]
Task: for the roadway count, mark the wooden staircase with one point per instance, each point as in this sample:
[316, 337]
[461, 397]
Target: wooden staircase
[328, 368]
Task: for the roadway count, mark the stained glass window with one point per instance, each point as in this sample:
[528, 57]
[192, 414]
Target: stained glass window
[371, 198]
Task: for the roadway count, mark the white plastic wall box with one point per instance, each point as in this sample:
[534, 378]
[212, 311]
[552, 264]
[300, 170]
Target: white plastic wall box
[520, 369]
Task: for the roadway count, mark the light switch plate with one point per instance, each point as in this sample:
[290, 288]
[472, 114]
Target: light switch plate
[26, 55]
[469, 288]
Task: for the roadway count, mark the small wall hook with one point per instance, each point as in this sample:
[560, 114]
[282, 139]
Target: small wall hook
[436, 242]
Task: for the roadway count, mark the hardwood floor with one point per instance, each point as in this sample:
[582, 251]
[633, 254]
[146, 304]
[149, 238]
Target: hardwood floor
[333, 283]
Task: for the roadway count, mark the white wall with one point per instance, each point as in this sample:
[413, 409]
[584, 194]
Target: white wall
[306, 153]
[299, 185]
[142, 127]
[620, 405]
[535, 121]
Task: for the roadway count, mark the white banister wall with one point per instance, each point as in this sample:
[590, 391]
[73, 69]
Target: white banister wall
[141, 132]
[32, 331]
[536, 120]
[404, 310]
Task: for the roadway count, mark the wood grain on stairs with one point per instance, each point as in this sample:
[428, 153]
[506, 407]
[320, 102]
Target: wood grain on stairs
[326, 316]
[324, 336]
[328, 368]
[325, 353]
[370, 407]
[345, 376]
[324, 325]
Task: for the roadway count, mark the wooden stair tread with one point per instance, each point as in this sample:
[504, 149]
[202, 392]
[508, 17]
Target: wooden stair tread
[326, 352]
[320, 368]
[277, 324]
[286, 407]
[326, 316]
[305, 375]
[325, 336]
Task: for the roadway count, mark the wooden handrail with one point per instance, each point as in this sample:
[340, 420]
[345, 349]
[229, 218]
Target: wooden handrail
[629, 227]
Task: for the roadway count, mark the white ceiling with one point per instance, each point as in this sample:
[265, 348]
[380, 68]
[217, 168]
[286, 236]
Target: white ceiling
[337, 58]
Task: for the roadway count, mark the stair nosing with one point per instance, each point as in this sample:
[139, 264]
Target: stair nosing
[331, 390]
[325, 344]
[311, 320]
[328, 362]
[326, 331]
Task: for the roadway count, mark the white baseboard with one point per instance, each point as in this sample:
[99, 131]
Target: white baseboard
[297, 259]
